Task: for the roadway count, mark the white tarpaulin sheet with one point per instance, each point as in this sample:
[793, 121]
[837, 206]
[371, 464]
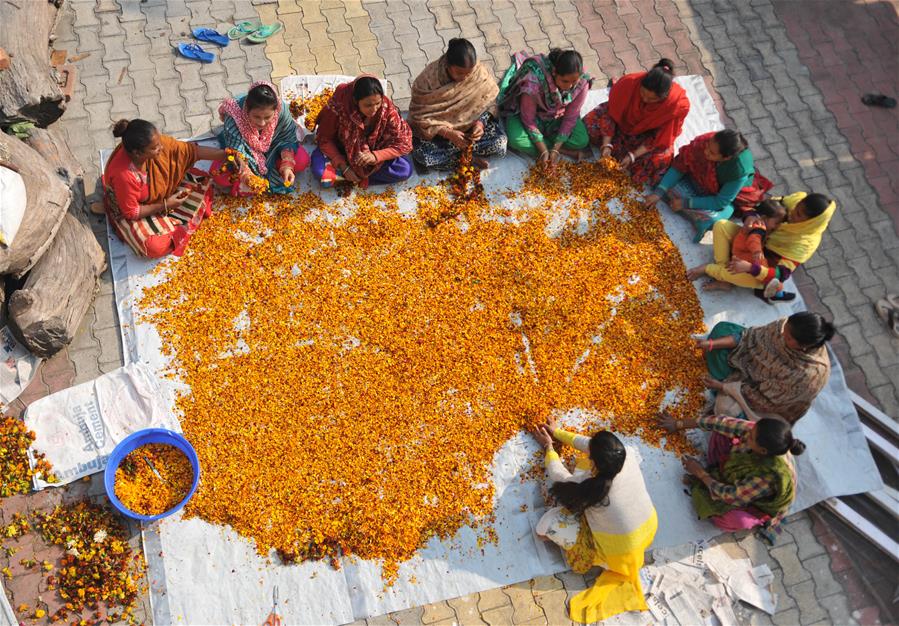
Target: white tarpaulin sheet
[17, 366]
[210, 575]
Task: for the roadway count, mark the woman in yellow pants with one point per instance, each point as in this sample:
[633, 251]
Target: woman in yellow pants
[791, 244]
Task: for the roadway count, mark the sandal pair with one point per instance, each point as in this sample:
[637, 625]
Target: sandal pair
[888, 311]
[253, 31]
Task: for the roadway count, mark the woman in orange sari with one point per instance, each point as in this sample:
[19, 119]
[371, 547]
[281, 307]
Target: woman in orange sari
[640, 122]
[152, 198]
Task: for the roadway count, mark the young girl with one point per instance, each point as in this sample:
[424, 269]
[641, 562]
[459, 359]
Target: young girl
[259, 126]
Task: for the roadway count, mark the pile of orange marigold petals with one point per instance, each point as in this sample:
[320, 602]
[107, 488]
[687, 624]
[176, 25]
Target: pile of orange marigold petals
[139, 488]
[310, 106]
[352, 376]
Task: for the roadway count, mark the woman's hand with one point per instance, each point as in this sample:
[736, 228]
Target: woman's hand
[543, 437]
[667, 421]
[711, 383]
[552, 425]
[692, 466]
[732, 389]
[675, 202]
[366, 158]
[605, 152]
[476, 131]
[288, 175]
[651, 200]
[702, 343]
[350, 174]
[739, 266]
[626, 162]
[176, 200]
[457, 138]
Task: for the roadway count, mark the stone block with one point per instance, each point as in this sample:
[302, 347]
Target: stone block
[466, 609]
[524, 608]
[493, 599]
[810, 610]
[436, 612]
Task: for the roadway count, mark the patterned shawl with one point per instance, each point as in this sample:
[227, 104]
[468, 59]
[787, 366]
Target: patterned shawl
[257, 142]
[710, 176]
[440, 102]
[742, 466]
[635, 117]
[533, 76]
[775, 378]
[385, 129]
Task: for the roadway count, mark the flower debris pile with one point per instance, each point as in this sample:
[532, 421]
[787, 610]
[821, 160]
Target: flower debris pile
[99, 577]
[310, 106]
[16, 474]
[354, 371]
[139, 487]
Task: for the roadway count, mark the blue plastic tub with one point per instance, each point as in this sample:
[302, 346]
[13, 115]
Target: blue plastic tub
[142, 438]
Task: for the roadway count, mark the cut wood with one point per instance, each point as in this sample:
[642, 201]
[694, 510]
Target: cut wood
[46, 312]
[51, 144]
[47, 200]
[28, 88]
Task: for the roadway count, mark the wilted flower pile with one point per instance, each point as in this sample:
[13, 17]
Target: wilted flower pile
[98, 577]
[310, 106]
[149, 492]
[15, 472]
[352, 376]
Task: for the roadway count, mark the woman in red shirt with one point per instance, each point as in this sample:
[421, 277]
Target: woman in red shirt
[151, 197]
[640, 122]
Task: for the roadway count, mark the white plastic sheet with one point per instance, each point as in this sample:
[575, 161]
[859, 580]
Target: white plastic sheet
[77, 428]
[17, 366]
[208, 574]
[13, 200]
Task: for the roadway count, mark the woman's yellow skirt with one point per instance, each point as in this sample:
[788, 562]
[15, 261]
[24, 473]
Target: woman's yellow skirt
[618, 588]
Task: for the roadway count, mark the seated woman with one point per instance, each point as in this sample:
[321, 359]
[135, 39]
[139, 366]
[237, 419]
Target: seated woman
[752, 479]
[775, 370]
[720, 175]
[259, 126]
[793, 243]
[640, 122]
[453, 107]
[151, 197]
[606, 519]
[361, 133]
[540, 99]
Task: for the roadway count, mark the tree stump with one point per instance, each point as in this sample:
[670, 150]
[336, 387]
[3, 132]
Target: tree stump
[29, 91]
[47, 200]
[51, 144]
[46, 312]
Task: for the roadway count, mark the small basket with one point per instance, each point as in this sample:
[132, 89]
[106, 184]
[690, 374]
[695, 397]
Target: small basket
[135, 441]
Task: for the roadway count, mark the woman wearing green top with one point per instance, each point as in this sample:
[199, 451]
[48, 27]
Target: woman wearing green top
[720, 175]
[751, 479]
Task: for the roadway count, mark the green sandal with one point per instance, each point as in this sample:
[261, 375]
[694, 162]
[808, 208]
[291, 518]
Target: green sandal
[244, 29]
[265, 32]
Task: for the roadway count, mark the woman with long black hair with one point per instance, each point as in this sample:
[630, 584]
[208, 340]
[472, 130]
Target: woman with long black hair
[605, 518]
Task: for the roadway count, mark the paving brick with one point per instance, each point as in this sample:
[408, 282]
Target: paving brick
[810, 610]
[524, 608]
[466, 609]
[437, 612]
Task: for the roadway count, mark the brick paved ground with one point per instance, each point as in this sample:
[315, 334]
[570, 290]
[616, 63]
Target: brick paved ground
[787, 73]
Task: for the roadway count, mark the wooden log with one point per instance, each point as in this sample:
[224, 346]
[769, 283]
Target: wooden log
[28, 88]
[46, 312]
[47, 200]
[51, 144]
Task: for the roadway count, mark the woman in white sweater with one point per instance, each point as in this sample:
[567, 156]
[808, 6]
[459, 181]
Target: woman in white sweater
[606, 518]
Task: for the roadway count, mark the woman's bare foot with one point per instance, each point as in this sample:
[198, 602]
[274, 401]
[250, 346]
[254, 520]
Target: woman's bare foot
[717, 285]
[695, 273]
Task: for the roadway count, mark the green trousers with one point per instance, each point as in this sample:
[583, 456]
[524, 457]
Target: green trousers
[520, 140]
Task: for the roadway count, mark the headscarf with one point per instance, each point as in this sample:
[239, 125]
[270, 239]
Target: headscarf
[635, 117]
[797, 241]
[777, 379]
[440, 102]
[533, 76]
[386, 128]
[258, 141]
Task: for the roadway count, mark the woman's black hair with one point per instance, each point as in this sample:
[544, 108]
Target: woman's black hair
[460, 53]
[566, 62]
[261, 97]
[776, 437]
[815, 204]
[659, 78]
[607, 453]
[811, 330]
[366, 86]
[730, 142]
[136, 134]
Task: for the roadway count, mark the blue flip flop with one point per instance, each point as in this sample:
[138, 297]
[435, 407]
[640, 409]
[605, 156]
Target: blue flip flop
[195, 52]
[210, 35]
